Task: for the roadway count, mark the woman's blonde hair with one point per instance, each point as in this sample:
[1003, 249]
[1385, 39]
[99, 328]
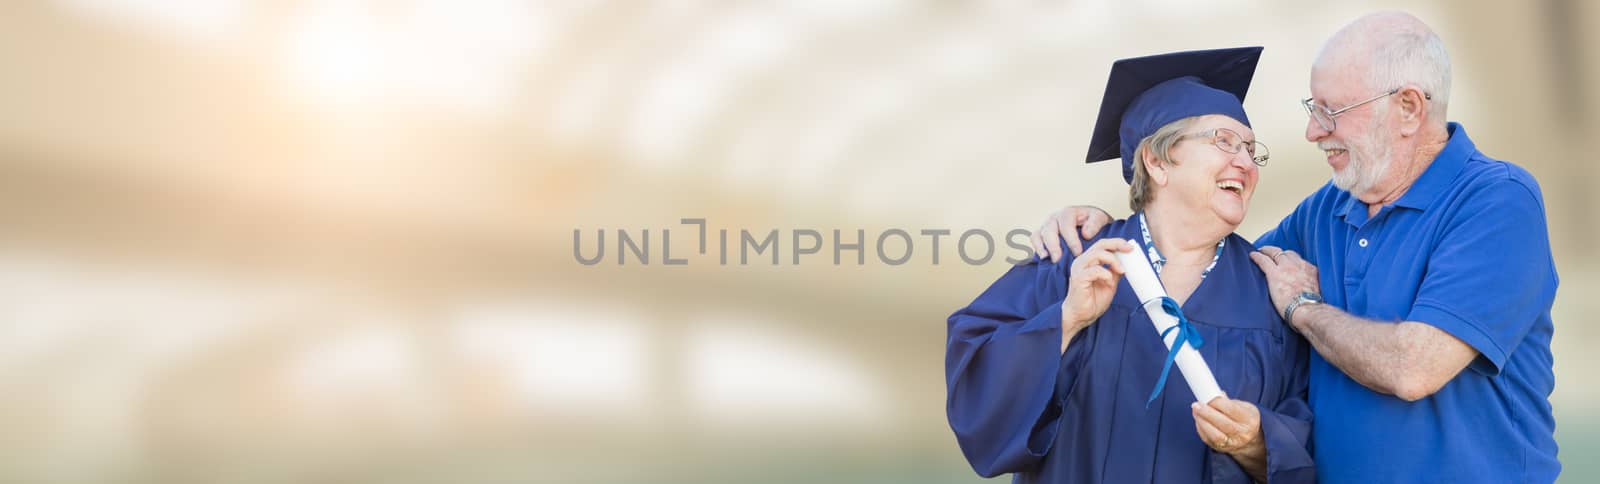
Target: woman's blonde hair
[1142, 190]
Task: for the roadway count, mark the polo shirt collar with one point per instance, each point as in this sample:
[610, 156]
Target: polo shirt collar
[1441, 172]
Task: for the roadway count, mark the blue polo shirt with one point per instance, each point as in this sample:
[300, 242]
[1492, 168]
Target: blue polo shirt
[1465, 249]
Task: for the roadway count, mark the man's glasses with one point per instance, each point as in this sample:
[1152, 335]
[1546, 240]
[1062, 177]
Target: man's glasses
[1324, 117]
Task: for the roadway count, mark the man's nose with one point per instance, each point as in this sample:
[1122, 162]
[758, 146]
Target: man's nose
[1314, 131]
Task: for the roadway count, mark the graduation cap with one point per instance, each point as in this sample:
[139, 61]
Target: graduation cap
[1145, 93]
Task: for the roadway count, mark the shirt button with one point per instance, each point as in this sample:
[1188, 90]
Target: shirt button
[1362, 242]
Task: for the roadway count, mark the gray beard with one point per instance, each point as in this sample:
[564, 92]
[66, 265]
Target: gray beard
[1359, 176]
[1367, 165]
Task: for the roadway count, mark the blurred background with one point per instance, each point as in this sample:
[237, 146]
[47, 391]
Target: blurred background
[332, 241]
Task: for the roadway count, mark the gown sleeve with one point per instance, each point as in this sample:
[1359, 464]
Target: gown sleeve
[1003, 367]
[1285, 426]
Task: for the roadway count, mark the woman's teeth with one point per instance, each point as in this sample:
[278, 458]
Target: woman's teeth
[1231, 185]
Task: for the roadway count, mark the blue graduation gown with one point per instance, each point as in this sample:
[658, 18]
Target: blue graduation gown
[1018, 405]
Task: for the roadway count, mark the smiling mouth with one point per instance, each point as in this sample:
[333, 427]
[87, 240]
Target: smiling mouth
[1333, 153]
[1232, 186]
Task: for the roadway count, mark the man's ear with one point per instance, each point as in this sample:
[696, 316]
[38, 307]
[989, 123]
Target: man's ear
[1413, 105]
[1153, 166]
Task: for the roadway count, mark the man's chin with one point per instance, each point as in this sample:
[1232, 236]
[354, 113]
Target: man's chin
[1344, 182]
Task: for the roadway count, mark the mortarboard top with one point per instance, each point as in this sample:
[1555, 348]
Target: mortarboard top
[1145, 93]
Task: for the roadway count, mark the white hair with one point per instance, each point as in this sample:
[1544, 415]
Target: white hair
[1410, 58]
[1399, 49]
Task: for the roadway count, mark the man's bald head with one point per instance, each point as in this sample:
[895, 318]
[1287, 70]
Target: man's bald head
[1387, 50]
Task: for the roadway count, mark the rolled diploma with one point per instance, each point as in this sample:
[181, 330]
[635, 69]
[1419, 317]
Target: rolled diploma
[1136, 268]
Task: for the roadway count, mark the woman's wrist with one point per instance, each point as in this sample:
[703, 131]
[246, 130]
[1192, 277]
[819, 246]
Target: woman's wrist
[1071, 324]
[1256, 448]
[1069, 328]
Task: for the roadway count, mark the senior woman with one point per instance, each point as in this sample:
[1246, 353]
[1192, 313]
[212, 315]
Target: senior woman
[1056, 373]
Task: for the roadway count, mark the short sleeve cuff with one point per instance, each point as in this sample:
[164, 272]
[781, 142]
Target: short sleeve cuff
[1491, 357]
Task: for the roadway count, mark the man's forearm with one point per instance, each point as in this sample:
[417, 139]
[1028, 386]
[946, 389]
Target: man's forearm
[1407, 359]
[1372, 353]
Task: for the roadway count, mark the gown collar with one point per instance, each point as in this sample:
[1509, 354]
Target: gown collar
[1157, 261]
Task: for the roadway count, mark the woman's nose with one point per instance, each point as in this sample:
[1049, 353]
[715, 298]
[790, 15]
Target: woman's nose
[1243, 158]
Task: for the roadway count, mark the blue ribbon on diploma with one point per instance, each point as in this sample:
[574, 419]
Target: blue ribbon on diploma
[1186, 334]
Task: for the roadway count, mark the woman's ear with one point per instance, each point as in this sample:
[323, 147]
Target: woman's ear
[1153, 166]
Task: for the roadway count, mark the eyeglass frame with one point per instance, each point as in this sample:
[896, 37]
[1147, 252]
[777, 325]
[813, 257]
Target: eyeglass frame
[1216, 140]
[1333, 115]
